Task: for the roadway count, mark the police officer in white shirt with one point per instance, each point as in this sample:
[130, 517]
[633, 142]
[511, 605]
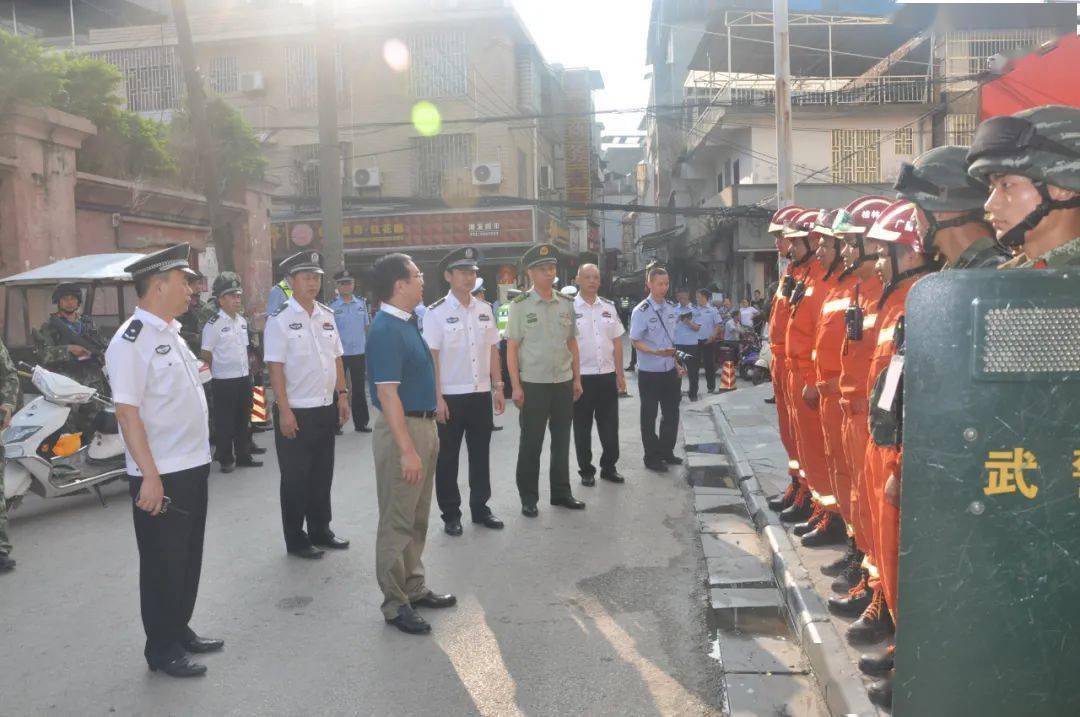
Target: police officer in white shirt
[303, 352]
[162, 413]
[224, 348]
[602, 379]
[460, 330]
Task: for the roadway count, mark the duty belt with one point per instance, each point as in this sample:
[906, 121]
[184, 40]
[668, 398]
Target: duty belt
[854, 406]
[420, 414]
[829, 388]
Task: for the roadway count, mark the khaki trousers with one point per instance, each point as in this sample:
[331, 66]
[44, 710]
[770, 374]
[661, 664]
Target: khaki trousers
[403, 512]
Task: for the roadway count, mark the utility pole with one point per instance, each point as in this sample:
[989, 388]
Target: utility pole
[329, 150]
[785, 184]
[220, 234]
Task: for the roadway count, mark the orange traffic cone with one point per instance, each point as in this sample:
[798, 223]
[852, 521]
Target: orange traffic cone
[727, 376]
[258, 406]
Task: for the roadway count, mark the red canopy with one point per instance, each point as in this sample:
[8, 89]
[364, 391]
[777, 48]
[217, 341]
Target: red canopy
[1045, 77]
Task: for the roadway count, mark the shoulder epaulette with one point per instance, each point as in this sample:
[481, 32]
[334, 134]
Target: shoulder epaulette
[607, 301]
[520, 298]
[132, 331]
[642, 305]
[213, 319]
[670, 302]
[280, 309]
[436, 303]
[319, 303]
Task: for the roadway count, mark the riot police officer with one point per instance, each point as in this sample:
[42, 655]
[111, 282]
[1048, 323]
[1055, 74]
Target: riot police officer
[1030, 162]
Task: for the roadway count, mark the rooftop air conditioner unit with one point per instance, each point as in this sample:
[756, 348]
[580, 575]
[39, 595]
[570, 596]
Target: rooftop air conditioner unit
[486, 175]
[364, 178]
[252, 81]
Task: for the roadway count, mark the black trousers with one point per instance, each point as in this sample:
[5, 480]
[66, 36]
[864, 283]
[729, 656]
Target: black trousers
[356, 374]
[693, 366]
[232, 418]
[170, 560]
[548, 407]
[307, 471]
[599, 400]
[471, 417]
[659, 390]
[707, 356]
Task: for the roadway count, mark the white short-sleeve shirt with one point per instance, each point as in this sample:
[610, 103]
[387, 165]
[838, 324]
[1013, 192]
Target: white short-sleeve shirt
[463, 336]
[226, 339]
[151, 368]
[308, 346]
[598, 326]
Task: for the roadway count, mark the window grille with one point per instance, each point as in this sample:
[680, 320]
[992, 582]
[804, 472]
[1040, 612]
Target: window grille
[966, 52]
[305, 167]
[438, 159]
[302, 78]
[960, 129]
[904, 141]
[440, 65]
[856, 155]
[224, 75]
[153, 81]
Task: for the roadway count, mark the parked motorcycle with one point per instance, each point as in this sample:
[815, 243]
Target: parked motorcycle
[749, 352]
[762, 370]
[39, 457]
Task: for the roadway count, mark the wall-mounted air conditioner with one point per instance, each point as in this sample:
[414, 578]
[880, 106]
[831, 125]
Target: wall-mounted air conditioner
[486, 175]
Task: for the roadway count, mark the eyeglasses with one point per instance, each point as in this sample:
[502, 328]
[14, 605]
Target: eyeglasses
[1007, 136]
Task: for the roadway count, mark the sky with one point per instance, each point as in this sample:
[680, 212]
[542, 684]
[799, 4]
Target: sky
[604, 35]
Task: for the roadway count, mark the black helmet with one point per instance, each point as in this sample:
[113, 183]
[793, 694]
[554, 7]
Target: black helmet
[67, 289]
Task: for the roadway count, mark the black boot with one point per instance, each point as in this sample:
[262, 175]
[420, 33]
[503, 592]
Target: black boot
[780, 502]
[878, 665]
[851, 575]
[830, 530]
[853, 603]
[811, 523]
[880, 693]
[800, 508]
[840, 566]
[875, 624]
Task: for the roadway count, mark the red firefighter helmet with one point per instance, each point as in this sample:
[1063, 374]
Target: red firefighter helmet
[801, 224]
[858, 216]
[778, 220]
[825, 220]
[896, 225]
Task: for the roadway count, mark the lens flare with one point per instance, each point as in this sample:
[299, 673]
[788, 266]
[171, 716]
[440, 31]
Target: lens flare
[396, 55]
[426, 119]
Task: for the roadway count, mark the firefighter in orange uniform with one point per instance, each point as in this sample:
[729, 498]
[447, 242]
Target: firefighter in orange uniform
[828, 343]
[854, 570]
[806, 300]
[778, 322]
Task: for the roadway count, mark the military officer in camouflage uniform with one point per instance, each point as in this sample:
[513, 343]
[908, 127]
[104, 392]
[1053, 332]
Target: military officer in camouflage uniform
[1031, 162]
[9, 396]
[949, 209]
[69, 344]
[542, 358]
[198, 313]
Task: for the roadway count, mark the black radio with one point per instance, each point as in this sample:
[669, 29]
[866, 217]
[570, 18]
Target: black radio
[853, 318]
[787, 285]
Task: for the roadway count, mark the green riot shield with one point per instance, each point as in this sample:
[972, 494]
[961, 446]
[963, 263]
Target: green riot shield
[989, 601]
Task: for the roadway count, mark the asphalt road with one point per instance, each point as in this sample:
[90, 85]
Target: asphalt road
[599, 612]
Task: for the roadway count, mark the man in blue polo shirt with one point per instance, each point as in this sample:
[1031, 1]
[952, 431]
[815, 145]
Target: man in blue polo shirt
[405, 444]
[351, 317]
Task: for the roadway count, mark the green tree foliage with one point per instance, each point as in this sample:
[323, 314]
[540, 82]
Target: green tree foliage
[240, 157]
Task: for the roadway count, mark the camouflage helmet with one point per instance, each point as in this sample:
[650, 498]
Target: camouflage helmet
[938, 182]
[1042, 144]
[227, 282]
[67, 289]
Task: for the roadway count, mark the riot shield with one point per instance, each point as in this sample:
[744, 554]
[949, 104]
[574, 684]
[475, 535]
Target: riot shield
[989, 601]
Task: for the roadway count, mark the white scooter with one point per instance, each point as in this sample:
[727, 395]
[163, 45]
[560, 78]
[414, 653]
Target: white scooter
[30, 463]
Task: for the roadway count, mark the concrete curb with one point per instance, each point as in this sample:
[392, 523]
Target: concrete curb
[822, 643]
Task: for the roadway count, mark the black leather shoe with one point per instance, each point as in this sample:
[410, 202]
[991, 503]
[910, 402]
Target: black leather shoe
[179, 667]
[810, 525]
[656, 465]
[489, 521]
[613, 477]
[6, 564]
[309, 552]
[409, 621]
[672, 460]
[875, 624]
[878, 665]
[529, 510]
[249, 463]
[228, 467]
[330, 542]
[453, 527]
[496, 428]
[572, 503]
[588, 480]
[829, 531]
[880, 693]
[200, 645]
[771, 399]
[362, 429]
[853, 603]
[799, 510]
[256, 450]
[780, 502]
[434, 601]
